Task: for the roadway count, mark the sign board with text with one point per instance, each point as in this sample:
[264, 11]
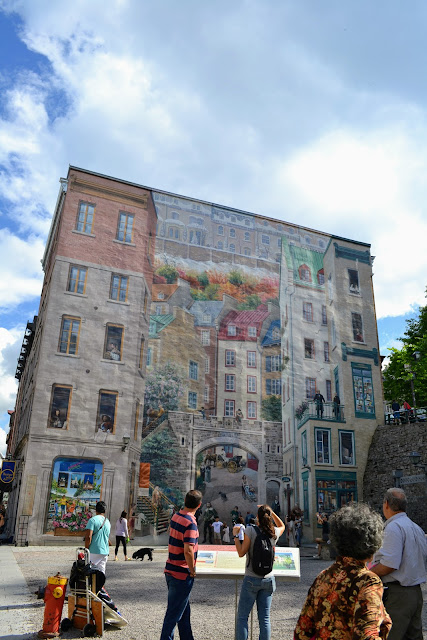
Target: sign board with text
[228, 564]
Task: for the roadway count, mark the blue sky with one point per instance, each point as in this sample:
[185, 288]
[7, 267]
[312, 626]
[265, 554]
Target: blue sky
[310, 112]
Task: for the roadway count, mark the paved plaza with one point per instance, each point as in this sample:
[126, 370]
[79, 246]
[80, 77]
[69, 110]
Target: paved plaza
[139, 591]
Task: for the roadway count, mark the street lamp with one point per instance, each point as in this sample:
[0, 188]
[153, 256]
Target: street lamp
[415, 458]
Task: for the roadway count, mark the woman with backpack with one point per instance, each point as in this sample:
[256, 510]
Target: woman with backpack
[259, 583]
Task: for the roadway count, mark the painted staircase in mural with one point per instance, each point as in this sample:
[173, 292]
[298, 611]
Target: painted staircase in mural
[157, 509]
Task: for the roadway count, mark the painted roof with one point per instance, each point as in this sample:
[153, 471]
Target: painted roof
[166, 289]
[268, 338]
[157, 323]
[298, 256]
[201, 308]
[242, 320]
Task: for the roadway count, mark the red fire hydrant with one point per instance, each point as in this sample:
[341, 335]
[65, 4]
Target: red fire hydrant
[54, 596]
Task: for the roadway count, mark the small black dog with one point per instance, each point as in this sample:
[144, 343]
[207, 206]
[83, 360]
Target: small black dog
[141, 553]
[223, 496]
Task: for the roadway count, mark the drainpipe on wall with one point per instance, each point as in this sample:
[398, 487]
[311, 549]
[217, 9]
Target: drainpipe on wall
[295, 483]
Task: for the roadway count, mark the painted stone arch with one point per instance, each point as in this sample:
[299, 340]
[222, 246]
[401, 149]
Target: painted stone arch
[228, 473]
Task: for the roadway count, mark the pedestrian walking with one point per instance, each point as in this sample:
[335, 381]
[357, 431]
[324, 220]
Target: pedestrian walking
[180, 569]
[97, 537]
[257, 588]
[122, 535]
[401, 566]
[208, 517]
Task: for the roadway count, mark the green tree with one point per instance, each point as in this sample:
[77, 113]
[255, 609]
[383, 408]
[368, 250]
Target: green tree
[271, 409]
[252, 302]
[159, 449]
[397, 377]
[164, 386]
[236, 277]
[203, 279]
[169, 272]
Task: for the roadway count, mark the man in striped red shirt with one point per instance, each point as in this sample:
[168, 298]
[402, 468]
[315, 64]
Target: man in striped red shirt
[180, 568]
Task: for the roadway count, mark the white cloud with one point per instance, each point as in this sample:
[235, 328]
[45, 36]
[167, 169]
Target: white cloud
[21, 269]
[10, 344]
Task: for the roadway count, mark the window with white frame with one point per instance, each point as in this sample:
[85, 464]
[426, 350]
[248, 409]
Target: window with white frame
[229, 408]
[230, 358]
[251, 384]
[206, 338]
[310, 388]
[206, 317]
[307, 311]
[251, 409]
[273, 363]
[193, 370]
[273, 386]
[323, 446]
[206, 395]
[206, 365]
[251, 332]
[192, 400]
[251, 359]
[231, 330]
[220, 244]
[230, 382]
[346, 440]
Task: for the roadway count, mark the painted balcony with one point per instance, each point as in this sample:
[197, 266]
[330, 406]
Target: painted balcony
[330, 413]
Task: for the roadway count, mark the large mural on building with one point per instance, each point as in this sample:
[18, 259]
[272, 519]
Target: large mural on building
[75, 490]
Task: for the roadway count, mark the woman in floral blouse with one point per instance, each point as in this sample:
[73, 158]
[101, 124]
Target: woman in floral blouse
[345, 600]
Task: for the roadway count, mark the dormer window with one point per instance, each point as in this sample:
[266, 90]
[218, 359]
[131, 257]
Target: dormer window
[231, 330]
[251, 332]
[321, 276]
[304, 273]
[160, 296]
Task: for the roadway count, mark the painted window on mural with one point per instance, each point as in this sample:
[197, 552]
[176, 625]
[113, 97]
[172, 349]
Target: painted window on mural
[357, 325]
[265, 239]
[230, 382]
[192, 400]
[307, 311]
[310, 388]
[125, 227]
[230, 358]
[175, 215]
[113, 342]
[60, 404]
[251, 359]
[77, 280]
[206, 338]
[353, 281]
[119, 288]
[273, 363]
[220, 244]
[363, 390]
[206, 394]
[232, 233]
[251, 410]
[220, 230]
[273, 386]
[304, 448]
[323, 445]
[149, 356]
[207, 365]
[251, 332]
[74, 491]
[231, 330]
[251, 384]
[247, 251]
[334, 492]
[107, 404]
[328, 391]
[85, 217]
[324, 315]
[232, 248]
[304, 273]
[69, 335]
[247, 236]
[346, 443]
[193, 370]
[229, 408]
[326, 351]
[321, 277]
[309, 348]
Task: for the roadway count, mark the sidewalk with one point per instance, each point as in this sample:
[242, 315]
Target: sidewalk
[16, 602]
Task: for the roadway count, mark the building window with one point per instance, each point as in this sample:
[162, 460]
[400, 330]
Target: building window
[85, 217]
[220, 230]
[230, 382]
[307, 311]
[149, 356]
[77, 280]
[353, 281]
[232, 248]
[251, 332]
[247, 236]
[328, 391]
[357, 325]
[60, 404]
[206, 365]
[207, 318]
[251, 410]
[113, 342]
[229, 408]
[251, 359]
[276, 333]
[231, 330]
[323, 446]
[119, 288]
[324, 315]
[170, 232]
[141, 353]
[206, 395]
[265, 239]
[158, 309]
[175, 215]
[321, 277]
[107, 405]
[160, 295]
[125, 227]
[206, 338]
[304, 448]
[310, 388]
[232, 233]
[251, 385]
[273, 363]
[247, 251]
[363, 390]
[346, 443]
[193, 370]
[304, 273]
[326, 351]
[230, 358]
[192, 400]
[279, 242]
[273, 386]
[69, 336]
[220, 244]
[309, 348]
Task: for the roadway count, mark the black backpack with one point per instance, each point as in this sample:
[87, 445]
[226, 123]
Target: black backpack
[262, 554]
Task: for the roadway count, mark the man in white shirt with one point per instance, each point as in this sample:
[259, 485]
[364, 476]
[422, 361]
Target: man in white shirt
[401, 566]
[217, 524]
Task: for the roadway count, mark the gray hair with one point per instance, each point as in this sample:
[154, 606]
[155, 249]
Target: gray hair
[396, 499]
[356, 531]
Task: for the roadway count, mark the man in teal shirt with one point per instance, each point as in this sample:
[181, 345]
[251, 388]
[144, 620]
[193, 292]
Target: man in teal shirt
[97, 537]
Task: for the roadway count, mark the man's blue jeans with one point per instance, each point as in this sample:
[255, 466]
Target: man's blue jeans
[260, 590]
[178, 609]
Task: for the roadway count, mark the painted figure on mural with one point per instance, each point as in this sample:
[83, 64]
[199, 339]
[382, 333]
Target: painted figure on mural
[106, 424]
[57, 421]
[320, 401]
[239, 416]
[337, 403]
[112, 352]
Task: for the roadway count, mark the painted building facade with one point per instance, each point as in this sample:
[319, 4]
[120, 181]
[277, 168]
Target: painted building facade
[182, 324]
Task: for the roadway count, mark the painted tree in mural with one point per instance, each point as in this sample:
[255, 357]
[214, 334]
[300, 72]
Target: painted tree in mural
[164, 386]
[272, 409]
[159, 449]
